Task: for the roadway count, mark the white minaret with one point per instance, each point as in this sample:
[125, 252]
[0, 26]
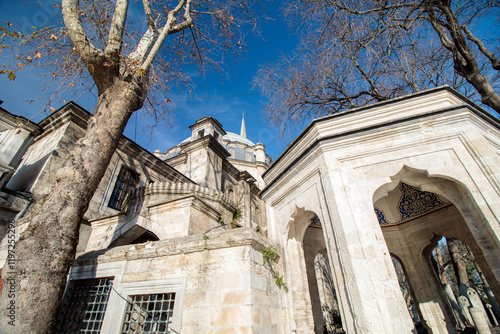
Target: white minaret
[243, 131]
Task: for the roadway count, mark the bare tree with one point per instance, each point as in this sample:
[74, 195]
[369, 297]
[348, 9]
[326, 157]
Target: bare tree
[96, 37]
[353, 53]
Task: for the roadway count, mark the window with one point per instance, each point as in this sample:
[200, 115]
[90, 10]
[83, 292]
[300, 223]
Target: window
[152, 306]
[89, 306]
[84, 305]
[256, 214]
[127, 180]
[149, 314]
[216, 136]
[201, 133]
[230, 194]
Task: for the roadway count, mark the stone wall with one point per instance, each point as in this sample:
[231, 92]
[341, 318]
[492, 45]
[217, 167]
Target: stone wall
[226, 289]
[342, 164]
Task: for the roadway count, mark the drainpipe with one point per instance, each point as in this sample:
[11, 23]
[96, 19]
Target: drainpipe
[28, 196]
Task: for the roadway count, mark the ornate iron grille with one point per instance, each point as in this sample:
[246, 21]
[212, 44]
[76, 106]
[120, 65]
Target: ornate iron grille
[84, 305]
[149, 314]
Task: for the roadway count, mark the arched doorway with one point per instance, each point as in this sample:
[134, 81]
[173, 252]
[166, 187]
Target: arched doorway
[460, 276]
[408, 295]
[327, 294]
[414, 212]
[313, 295]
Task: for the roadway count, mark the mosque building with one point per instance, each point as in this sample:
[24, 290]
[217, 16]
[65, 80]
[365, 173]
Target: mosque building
[212, 236]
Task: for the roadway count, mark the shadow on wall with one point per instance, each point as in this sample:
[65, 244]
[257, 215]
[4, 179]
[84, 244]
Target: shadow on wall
[26, 175]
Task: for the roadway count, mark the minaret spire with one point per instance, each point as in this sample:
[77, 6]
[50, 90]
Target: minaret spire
[243, 131]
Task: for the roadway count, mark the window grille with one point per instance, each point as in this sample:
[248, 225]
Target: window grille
[149, 314]
[84, 305]
[126, 181]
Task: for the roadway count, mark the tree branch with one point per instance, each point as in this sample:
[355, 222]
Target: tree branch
[374, 10]
[169, 28]
[115, 38]
[495, 62]
[149, 16]
[447, 43]
[89, 54]
[373, 88]
[465, 61]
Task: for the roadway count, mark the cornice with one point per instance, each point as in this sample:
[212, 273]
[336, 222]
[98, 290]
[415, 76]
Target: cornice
[201, 121]
[179, 246]
[131, 148]
[440, 102]
[20, 121]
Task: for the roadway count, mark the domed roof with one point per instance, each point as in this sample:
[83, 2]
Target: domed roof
[231, 136]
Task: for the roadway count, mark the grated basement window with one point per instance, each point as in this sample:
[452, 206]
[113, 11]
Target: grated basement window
[84, 305]
[149, 314]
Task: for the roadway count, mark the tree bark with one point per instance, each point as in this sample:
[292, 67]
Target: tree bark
[46, 250]
[458, 261]
[441, 266]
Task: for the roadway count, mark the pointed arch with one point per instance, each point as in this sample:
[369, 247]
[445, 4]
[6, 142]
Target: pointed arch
[436, 206]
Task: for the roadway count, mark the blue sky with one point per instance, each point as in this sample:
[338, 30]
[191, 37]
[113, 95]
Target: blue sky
[224, 97]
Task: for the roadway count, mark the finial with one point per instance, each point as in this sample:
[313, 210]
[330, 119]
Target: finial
[243, 131]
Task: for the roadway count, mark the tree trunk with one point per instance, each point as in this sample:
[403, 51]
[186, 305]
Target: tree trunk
[440, 265]
[46, 250]
[458, 261]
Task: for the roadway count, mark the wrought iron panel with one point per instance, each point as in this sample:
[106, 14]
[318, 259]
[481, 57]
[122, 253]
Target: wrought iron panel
[84, 305]
[149, 314]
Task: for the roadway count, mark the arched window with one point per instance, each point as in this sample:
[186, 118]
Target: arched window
[230, 194]
[256, 214]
